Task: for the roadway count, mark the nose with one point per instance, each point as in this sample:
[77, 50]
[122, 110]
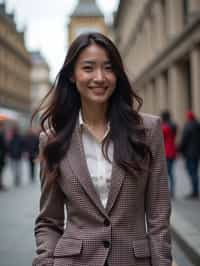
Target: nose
[99, 75]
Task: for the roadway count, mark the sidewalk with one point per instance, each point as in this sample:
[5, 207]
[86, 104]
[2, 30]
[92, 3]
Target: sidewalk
[19, 208]
[185, 220]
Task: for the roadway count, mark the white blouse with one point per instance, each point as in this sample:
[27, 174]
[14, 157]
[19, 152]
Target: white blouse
[99, 168]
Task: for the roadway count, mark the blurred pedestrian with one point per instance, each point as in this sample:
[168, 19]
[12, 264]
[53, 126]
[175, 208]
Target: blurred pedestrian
[169, 129]
[31, 149]
[103, 162]
[190, 149]
[15, 151]
[3, 150]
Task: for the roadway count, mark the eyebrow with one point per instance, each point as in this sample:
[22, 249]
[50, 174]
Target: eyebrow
[91, 62]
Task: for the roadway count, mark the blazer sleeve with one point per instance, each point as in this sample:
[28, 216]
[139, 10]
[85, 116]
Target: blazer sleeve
[157, 202]
[49, 224]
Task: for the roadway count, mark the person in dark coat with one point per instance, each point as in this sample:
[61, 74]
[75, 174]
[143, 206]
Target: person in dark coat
[31, 149]
[169, 130]
[3, 151]
[15, 151]
[190, 149]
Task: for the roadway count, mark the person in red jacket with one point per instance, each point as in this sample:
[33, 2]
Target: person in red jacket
[169, 130]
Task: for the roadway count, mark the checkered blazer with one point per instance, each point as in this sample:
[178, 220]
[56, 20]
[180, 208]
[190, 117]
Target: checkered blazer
[133, 229]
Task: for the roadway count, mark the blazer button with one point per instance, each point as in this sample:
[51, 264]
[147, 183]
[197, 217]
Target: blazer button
[106, 222]
[106, 244]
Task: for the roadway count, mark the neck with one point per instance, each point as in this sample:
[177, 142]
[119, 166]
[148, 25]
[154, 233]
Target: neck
[94, 115]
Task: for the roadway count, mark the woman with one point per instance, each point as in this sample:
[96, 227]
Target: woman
[104, 164]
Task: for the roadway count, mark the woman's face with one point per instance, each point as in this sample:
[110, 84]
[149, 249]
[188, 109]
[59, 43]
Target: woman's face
[93, 75]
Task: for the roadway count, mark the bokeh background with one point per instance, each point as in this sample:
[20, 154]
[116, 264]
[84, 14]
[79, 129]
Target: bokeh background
[159, 41]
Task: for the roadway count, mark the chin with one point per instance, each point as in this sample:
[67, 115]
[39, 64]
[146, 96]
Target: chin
[100, 100]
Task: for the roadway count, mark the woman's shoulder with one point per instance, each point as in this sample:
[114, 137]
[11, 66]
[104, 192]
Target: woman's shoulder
[152, 124]
[150, 121]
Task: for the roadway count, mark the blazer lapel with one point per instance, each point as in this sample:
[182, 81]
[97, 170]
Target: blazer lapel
[117, 178]
[78, 163]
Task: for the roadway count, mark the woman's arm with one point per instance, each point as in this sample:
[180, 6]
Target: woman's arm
[158, 202]
[49, 224]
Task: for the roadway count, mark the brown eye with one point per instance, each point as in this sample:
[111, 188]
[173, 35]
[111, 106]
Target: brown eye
[87, 68]
[108, 67]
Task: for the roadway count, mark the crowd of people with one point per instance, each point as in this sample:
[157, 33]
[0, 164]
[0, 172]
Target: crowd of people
[187, 145]
[14, 146]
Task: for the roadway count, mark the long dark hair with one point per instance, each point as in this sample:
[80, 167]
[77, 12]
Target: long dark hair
[127, 131]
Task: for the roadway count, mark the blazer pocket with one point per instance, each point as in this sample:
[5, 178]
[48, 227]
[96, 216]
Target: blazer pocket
[68, 247]
[141, 248]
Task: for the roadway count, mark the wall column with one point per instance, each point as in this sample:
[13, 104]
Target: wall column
[195, 79]
[175, 17]
[194, 5]
[194, 9]
[150, 98]
[143, 47]
[177, 93]
[162, 93]
[149, 44]
[160, 25]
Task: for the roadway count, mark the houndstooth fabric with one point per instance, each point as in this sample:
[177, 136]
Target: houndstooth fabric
[133, 229]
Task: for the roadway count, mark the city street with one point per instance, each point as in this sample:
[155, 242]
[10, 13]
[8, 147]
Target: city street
[108, 59]
[19, 207]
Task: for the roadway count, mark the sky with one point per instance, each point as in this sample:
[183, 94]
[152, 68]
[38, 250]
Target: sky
[46, 25]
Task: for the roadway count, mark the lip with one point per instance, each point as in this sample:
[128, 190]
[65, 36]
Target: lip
[98, 90]
[102, 88]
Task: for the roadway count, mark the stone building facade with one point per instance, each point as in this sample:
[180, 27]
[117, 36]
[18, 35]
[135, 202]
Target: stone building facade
[40, 77]
[86, 17]
[15, 67]
[160, 43]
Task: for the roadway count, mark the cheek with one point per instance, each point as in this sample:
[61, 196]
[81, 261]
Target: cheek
[81, 82]
[79, 76]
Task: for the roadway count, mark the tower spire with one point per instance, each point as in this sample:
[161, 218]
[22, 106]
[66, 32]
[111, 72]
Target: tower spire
[87, 8]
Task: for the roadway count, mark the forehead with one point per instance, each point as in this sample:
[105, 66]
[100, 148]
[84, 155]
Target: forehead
[93, 52]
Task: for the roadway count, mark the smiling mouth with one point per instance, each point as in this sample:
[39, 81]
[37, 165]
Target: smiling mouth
[98, 90]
